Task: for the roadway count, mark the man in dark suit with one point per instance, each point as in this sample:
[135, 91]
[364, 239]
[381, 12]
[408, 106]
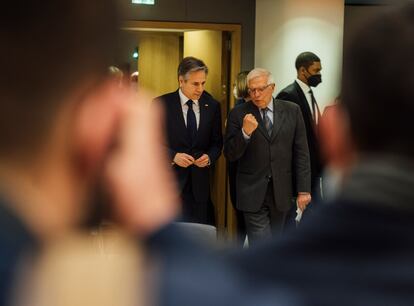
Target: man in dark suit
[267, 138]
[194, 137]
[308, 67]
[359, 249]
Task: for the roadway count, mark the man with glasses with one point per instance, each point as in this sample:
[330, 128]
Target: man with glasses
[267, 138]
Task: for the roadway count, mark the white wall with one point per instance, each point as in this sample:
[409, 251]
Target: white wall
[285, 28]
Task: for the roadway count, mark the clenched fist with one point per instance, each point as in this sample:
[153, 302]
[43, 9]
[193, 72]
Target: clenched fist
[249, 124]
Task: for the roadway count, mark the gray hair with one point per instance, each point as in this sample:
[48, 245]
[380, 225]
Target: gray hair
[258, 72]
[191, 64]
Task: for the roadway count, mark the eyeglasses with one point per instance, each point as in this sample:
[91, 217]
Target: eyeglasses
[259, 89]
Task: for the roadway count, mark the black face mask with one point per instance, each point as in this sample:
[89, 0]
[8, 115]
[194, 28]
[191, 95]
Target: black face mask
[314, 80]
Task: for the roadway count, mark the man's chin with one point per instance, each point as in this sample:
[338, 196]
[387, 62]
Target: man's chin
[259, 104]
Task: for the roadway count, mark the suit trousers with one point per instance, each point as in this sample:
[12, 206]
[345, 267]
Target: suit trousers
[267, 221]
[195, 211]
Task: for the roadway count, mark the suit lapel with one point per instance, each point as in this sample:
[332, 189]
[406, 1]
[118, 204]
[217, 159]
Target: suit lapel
[304, 102]
[203, 106]
[178, 113]
[278, 118]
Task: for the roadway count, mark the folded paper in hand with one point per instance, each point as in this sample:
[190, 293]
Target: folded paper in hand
[298, 214]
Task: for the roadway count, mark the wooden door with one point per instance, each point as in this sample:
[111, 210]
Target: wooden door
[159, 56]
[208, 45]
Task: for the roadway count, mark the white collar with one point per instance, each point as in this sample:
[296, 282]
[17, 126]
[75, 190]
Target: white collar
[305, 87]
[269, 106]
[184, 98]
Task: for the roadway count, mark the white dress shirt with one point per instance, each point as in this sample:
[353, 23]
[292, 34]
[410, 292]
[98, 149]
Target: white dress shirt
[305, 88]
[184, 106]
[269, 113]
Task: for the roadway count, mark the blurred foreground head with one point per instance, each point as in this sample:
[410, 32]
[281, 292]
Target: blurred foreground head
[57, 106]
[378, 84]
[65, 125]
[50, 51]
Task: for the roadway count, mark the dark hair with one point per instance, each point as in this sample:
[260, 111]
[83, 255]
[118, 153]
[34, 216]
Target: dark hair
[191, 64]
[306, 59]
[378, 90]
[49, 48]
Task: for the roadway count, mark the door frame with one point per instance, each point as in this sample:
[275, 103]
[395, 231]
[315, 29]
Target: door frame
[234, 29]
[226, 222]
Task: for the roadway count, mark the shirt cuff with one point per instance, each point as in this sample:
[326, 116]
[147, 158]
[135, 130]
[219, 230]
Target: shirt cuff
[245, 136]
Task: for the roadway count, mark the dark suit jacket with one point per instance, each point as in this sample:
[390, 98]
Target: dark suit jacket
[209, 140]
[232, 169]
[282, 156]
[294, 93]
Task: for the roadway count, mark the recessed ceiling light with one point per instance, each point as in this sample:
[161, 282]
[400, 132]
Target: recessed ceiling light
[148, 2]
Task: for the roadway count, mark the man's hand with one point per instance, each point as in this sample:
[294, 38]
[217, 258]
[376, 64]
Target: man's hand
[183, 160]
[249, 124]
[138, 173]
[203, 161]
[303, 200]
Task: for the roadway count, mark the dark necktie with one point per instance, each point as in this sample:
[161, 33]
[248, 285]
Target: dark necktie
[267, 122]
[316, 114]
[191, 122]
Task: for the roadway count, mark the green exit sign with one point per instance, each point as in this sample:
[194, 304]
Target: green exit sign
[148, 2]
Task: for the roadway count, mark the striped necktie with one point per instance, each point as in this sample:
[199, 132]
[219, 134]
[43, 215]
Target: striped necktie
[267, 122]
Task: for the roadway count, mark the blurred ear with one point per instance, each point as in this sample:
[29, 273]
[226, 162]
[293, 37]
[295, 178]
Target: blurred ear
[336, 143]
[96, 120]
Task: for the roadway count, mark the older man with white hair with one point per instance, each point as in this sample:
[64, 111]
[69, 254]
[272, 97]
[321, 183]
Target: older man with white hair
[267, 137]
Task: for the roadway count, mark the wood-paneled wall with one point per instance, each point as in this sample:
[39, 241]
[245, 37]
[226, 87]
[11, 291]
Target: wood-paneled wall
[159, 56]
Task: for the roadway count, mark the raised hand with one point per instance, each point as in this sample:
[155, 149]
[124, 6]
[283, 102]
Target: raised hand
[249, 124]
